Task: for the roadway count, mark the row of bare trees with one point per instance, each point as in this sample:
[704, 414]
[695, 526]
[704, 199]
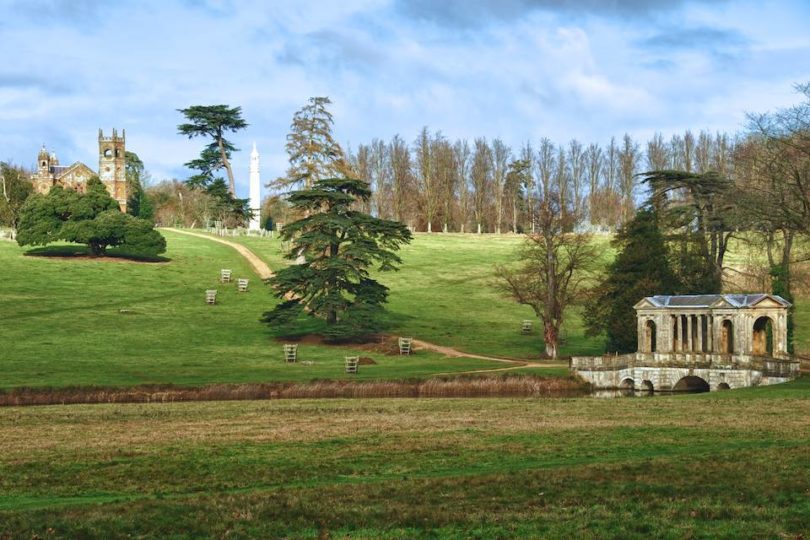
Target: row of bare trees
[434, 183]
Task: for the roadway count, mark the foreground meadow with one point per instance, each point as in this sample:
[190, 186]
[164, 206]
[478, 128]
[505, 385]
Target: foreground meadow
[726, 465]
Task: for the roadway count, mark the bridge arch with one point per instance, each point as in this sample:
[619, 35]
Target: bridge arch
[762, 336]
[628, 384]
[647, 386]
[723, 386]
[727, 337]
[691, 383]
[649, 336]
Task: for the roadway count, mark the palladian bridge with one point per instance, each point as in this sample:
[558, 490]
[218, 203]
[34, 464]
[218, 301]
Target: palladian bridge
[699, 343]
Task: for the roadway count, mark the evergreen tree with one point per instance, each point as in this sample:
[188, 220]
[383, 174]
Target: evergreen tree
[90, 218]
[338, 245]
[313, 151]
[641, 268]
[134, 172]
[214, 121]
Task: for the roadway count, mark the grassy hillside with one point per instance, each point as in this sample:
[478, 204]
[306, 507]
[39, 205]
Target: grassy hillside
[443, 293]
[62, 324]
[720, 465]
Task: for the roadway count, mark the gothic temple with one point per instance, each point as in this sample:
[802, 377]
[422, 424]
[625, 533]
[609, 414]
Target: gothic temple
[111, 169]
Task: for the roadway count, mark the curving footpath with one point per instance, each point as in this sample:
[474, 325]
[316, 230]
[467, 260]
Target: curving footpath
[259, 266]
[264, 272]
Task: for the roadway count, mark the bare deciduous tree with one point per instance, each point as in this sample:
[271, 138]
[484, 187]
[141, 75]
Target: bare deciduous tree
[554, 267]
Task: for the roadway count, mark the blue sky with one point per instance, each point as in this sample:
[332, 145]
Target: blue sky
[515, 69]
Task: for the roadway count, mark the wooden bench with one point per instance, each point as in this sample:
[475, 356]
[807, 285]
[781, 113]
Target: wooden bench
[211, 296]
[405, 345]
[351, 363]
[290, 352]
[225, 275]
[242, 285]
[526, 327]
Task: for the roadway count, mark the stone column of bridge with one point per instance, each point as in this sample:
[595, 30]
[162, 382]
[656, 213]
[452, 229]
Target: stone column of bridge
[710, 333]
[677, 342]
[689, 340]
[700, 333]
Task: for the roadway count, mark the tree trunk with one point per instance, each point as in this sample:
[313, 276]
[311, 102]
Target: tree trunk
[551, 339]
[227, 165]
[479, 228]
[429, 227]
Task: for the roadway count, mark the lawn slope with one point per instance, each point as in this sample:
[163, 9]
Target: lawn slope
[78, 322]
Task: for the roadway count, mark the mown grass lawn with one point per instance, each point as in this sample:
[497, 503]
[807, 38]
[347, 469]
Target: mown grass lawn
[720, 465]
[78, 322]
[444, 293]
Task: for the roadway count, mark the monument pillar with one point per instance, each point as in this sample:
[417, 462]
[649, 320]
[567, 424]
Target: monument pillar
[255, 191]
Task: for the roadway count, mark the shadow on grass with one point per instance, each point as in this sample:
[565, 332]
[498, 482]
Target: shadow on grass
[83, 252]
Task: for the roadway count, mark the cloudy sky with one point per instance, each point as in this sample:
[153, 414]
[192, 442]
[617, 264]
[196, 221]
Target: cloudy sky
[515, 69]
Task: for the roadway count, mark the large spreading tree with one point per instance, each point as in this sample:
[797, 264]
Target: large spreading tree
[699, 211]
[338, 245]
[214, 121]
[91, 218]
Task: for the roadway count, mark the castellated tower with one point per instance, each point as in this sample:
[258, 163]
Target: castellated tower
[111, 165]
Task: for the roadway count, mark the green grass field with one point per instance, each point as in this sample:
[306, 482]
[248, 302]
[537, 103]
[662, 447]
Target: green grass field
[62, 325]
[720, 465]
[444, 294]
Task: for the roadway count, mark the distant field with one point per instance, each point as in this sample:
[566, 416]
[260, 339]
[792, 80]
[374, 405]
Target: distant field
[62, 325]
[720, 465]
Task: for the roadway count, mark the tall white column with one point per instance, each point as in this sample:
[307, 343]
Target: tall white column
[700, 333]
[255, 190]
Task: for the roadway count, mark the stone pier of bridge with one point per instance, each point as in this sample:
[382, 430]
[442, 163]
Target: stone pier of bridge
[663, 372]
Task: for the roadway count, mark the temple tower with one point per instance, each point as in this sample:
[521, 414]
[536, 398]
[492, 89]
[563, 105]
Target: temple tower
[255, 191]
[112, 165]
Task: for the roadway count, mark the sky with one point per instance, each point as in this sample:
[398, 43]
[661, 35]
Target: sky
[515, 69]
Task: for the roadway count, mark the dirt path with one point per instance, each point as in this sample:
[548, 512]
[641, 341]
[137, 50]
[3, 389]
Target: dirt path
[259, 266]
[264, 272]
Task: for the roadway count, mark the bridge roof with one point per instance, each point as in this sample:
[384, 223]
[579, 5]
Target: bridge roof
[738, 301]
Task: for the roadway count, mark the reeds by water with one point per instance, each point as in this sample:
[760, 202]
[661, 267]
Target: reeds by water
[450, 387]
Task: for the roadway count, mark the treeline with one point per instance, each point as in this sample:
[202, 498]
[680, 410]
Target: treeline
[436, 184]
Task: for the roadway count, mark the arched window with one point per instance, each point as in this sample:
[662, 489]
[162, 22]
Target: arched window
[727, 337]
[649, 336]
[762, 337]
